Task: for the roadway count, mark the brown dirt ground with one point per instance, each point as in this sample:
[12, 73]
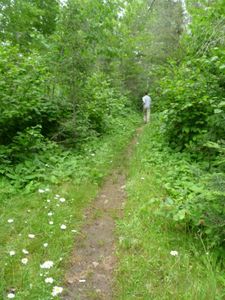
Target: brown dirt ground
[93, 261]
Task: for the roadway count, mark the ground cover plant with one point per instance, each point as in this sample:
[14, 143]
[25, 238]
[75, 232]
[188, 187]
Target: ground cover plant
[39, 222]
[157, 247]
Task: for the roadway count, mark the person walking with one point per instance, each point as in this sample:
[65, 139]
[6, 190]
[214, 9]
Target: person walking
[146, 107]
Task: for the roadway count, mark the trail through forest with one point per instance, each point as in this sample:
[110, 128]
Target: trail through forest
[93, 261]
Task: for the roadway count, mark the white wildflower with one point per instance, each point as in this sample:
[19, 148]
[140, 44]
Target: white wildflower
[47, 264]
[174, 253]
[24, 261]
[45, 245]
[63, 226]
[11, 295]
[49, 280]
[56, 291]
[48, 200]
[25, 251]
[57, 196]
[47, 190]
[74, 231]
[12, 253]
[62, 200]
[31, 236]
[10, 221]
[50, 214]
[50, 222]
[41, 191]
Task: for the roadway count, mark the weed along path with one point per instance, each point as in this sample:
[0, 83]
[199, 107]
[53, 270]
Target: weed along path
[93, 260]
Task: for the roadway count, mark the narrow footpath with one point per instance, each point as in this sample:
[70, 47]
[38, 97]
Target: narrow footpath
[93, 260]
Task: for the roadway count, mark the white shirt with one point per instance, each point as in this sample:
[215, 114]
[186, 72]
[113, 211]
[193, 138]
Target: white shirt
[147, 101]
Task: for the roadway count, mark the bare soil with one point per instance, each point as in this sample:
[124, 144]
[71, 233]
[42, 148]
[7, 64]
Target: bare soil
[93, 260]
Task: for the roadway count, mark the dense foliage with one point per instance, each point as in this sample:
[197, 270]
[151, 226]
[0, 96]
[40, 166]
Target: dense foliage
[56, 75]
[72, 72]
[191, 97]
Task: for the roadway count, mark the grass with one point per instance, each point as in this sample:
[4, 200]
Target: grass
[31, 213]
[146, 268]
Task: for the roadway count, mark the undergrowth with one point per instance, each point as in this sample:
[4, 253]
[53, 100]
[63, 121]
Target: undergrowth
[42, 209]
[163, 243]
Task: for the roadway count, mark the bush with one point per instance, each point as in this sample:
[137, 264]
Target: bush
[192, 92]
[98, 109]
[24, 93]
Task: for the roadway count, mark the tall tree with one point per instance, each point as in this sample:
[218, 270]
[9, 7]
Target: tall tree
[23, 21]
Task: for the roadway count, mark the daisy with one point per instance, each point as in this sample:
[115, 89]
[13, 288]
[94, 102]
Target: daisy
[31, 236]
[25, 251]
[62, 200]
[56, 290]
[49, 280]
[24, 261]
[174, 253]
[48, 200]
[12, 253]
[11, 296]
[63, 226]
[10, 221]
[50, 214]
[47, 264]
[41, 191]
[50, 222]
[45, 245]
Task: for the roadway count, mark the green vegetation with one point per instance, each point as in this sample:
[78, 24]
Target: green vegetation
[191, 96]
[66, 185]
[72, 74]
[158, 179]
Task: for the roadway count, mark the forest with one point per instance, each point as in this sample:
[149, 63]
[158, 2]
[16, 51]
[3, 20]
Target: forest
[72, 77]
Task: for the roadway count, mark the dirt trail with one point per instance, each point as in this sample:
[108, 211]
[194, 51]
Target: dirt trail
[93, 260]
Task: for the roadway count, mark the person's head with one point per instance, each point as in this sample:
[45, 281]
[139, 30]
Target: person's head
[146, 93]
